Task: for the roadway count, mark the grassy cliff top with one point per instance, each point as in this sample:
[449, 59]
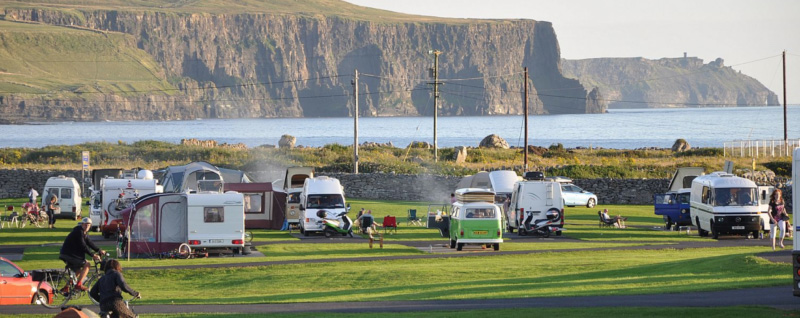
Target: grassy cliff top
[38, 59]
[295, 7]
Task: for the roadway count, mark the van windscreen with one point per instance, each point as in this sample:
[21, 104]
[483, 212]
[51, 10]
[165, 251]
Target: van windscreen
[325, 201]
[735, 197]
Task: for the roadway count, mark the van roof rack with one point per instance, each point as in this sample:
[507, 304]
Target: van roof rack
[467, 195]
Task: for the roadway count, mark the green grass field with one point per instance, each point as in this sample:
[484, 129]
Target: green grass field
[585, 264]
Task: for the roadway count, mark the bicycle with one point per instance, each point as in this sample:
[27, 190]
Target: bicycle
[56, 278]
[128, 303]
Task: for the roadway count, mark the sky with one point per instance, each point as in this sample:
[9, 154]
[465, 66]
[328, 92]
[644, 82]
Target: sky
[750, 35]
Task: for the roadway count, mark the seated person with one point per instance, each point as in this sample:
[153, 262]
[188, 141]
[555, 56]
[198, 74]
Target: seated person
[619, 221]
[367, 222]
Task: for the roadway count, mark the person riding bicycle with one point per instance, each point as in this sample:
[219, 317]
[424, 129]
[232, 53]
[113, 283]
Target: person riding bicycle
[75, 245]
[108, 291]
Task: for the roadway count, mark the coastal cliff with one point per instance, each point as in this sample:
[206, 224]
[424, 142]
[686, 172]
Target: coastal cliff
[262, 64]
[669, 82]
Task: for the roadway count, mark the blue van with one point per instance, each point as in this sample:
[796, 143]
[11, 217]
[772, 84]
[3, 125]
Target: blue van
[674, 204]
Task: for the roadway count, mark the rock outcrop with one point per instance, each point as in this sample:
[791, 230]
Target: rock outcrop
[493, 141]
[252, 65]
[668, 82]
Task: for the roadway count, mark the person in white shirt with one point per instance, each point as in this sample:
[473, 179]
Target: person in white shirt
[32, 194]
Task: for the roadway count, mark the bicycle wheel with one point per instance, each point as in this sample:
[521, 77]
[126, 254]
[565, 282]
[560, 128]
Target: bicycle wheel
[89, 283]
[184, 251]
[55, 282]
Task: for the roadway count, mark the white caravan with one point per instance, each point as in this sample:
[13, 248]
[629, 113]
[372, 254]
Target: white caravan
[117, 195]
[722, 203]
[531, 200]
[321, 196]
[68, 192]
[293, 185]
[206, 221]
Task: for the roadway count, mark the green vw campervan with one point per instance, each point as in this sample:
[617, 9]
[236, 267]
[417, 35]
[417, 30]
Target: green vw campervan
[475, 219]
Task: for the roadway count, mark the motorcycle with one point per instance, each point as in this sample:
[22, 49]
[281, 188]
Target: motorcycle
[540, 227]
[341, 224]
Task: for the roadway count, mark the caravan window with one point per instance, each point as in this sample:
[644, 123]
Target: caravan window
[252, 203]
[214, 214]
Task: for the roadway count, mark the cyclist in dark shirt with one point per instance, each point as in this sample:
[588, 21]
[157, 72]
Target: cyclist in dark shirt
[108, 291]
[75, 246]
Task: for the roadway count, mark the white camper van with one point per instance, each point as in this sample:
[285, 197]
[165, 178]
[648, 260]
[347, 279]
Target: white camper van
[321, 195]
[68, 192]
[534, 199]
[722, 203]
[293, 185]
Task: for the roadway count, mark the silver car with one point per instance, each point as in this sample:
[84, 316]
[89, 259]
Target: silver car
[574, 196]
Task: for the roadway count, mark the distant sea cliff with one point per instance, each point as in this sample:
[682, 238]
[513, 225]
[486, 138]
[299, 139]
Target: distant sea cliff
[256, 65]
[669, 82]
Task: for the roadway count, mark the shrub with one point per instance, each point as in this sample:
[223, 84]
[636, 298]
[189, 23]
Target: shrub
[781, 168]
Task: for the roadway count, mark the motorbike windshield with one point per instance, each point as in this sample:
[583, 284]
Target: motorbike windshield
[735, 197]
[325, 201]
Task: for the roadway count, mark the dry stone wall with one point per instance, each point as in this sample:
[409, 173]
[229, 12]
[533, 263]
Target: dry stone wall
[14, 183]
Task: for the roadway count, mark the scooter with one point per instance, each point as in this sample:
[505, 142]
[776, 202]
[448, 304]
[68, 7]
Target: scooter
[342, 224]
[539, 227]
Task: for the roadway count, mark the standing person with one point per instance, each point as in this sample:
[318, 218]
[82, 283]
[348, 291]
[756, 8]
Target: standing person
[75, 246]
[32, 194]
[109, 288]
[50, 207]
[778, 216]
[452, 198]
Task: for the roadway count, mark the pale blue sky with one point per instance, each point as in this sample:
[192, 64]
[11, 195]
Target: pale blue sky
[739, 31]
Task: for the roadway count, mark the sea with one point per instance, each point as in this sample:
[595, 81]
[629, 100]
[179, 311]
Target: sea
[617, 129]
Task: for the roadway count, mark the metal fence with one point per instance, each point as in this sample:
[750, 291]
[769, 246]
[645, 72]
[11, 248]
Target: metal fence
[760, 148]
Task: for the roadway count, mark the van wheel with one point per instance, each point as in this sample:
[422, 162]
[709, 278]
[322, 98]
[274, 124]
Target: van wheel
[591, 203]
[452, 243]
[496, 246]
[459, 246]
[558, 233]
[510, 229]
[667, 224]
[522, 231]
[305, 233]
[700, 231]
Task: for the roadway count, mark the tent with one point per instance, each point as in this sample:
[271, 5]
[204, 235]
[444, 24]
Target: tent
[264, 207]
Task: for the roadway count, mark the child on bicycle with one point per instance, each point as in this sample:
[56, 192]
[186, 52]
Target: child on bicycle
[109, 288]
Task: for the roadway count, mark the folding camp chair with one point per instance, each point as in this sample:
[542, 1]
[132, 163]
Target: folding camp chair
[390, 222]
[412, 217]
[605, 222]
[12, 219]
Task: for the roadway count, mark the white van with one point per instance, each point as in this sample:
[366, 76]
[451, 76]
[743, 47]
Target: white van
[534, 198]
[321, 195]
[722, 203]
[68, 192]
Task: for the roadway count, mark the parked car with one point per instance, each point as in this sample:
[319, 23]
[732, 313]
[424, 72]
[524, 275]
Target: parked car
[475, 219]
[574, 195]
[17, 287]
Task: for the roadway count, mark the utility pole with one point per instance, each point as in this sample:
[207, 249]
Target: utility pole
[525, 113]
[355, 122]
[785, 134]
[435, 74]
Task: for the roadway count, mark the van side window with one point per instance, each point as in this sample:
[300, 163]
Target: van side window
[213, 214]
[66, 193]
[706, 195]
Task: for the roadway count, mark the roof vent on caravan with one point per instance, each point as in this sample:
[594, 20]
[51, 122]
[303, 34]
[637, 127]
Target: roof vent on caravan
[145, 174]
[533, 176]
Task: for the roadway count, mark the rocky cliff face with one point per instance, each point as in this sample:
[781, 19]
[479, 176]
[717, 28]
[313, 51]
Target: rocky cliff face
[669, 82]
[269, 65]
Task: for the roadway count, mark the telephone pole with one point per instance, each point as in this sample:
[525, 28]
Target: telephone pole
[525, 113]
[355, 122]
[785, 134]
[435, 75]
